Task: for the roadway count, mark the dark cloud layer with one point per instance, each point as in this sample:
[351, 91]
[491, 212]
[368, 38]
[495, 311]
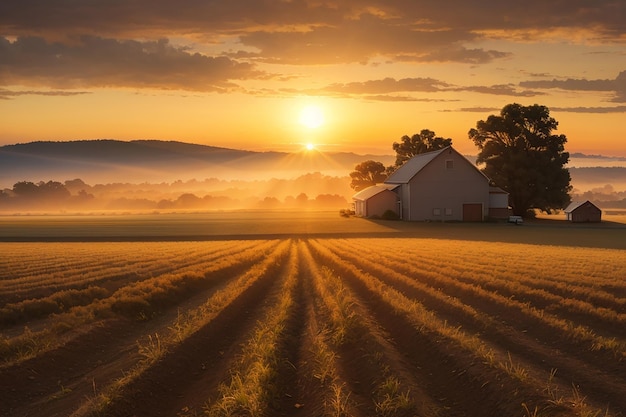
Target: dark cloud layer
[69, 44]
[389, 85]
[616, 86]
[606, 17]
[6, 94]
[375, 89]
[97, 62]
[596, 110]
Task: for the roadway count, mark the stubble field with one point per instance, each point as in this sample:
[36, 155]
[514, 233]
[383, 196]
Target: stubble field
[314, 325]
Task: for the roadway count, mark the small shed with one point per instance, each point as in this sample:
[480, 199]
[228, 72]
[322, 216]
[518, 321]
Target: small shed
[374, 201]
[583, 212]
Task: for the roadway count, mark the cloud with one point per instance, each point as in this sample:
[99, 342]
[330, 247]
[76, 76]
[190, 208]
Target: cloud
[321, 32]
[460, 54]
[8, 94]
[616, 86]
[378, 89]
[614, 109]
[361, 39]
[500, 90]
[474, 110]
[395, 98]
[98, 62]
[164, 17]
[135, 43]
[389, 85]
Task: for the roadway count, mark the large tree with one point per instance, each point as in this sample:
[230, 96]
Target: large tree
[366, 174]
[425, 141]
[523, 156]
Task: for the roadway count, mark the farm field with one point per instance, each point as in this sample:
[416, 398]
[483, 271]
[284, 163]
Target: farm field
[245, 225]
[390, 324]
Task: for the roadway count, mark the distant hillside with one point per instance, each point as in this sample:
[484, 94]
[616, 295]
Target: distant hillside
[153, 161]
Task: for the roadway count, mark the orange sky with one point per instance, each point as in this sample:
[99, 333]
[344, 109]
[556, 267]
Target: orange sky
[237, 74]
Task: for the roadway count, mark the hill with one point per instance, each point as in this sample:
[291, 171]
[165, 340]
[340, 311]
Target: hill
[154, 161]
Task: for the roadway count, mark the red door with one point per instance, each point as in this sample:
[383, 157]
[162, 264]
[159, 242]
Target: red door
[473, 212]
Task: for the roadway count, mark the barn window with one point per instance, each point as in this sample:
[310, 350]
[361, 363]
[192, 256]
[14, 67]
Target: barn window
[449, 164]
[436, 212]
[448, 212]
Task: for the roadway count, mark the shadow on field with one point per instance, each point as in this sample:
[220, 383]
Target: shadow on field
[267, 225]
[607, 234]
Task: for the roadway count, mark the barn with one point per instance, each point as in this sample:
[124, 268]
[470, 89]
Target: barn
[374, 201]
[441, 185]
[583, 212]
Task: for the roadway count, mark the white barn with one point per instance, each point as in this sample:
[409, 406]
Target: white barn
[441, 185]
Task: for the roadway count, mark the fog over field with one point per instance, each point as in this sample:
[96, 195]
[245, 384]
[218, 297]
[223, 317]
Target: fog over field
[168, 175]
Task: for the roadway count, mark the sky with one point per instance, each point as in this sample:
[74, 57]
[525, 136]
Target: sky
[239, 73]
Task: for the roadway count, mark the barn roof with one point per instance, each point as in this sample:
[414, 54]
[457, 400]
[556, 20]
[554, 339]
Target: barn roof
[372, 191]
[414, 165]
[575, 204]
[411, 167]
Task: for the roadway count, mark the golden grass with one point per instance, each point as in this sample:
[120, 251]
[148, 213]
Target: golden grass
[578, 293]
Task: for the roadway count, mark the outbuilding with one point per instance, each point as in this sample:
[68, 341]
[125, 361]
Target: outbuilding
[374, 201]
[583, 212]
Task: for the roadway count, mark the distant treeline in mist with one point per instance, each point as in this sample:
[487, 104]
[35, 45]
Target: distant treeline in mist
[603, 197]
[310, 191]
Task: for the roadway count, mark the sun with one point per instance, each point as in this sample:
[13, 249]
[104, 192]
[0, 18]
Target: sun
[312, 117]
[309, 146]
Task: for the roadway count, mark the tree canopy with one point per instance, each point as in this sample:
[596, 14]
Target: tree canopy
[523, 156]
[366, 174]
[422, 142]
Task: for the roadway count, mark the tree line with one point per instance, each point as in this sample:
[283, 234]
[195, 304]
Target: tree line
[77, 195]
[518, 152]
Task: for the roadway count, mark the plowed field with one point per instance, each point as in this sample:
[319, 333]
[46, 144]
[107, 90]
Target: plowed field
[312, 326]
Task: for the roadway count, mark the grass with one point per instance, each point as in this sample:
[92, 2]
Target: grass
[392, 401]
[263, 224]
[158, 346]
[468, 275]
[564, 290]
[242, 223]
[253, 382]
[424, 320]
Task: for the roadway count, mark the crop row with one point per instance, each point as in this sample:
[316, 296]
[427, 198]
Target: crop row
[324, 327]
[54, 267]
[135, 298]
[476, 318]
[509, 296]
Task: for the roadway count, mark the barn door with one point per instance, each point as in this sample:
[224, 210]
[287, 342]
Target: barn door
[473, 212]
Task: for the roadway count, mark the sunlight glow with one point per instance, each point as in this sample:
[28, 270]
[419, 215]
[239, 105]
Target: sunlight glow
[312, 117]
[310, 146]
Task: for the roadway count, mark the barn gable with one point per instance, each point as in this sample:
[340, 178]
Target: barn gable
[441, 186]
